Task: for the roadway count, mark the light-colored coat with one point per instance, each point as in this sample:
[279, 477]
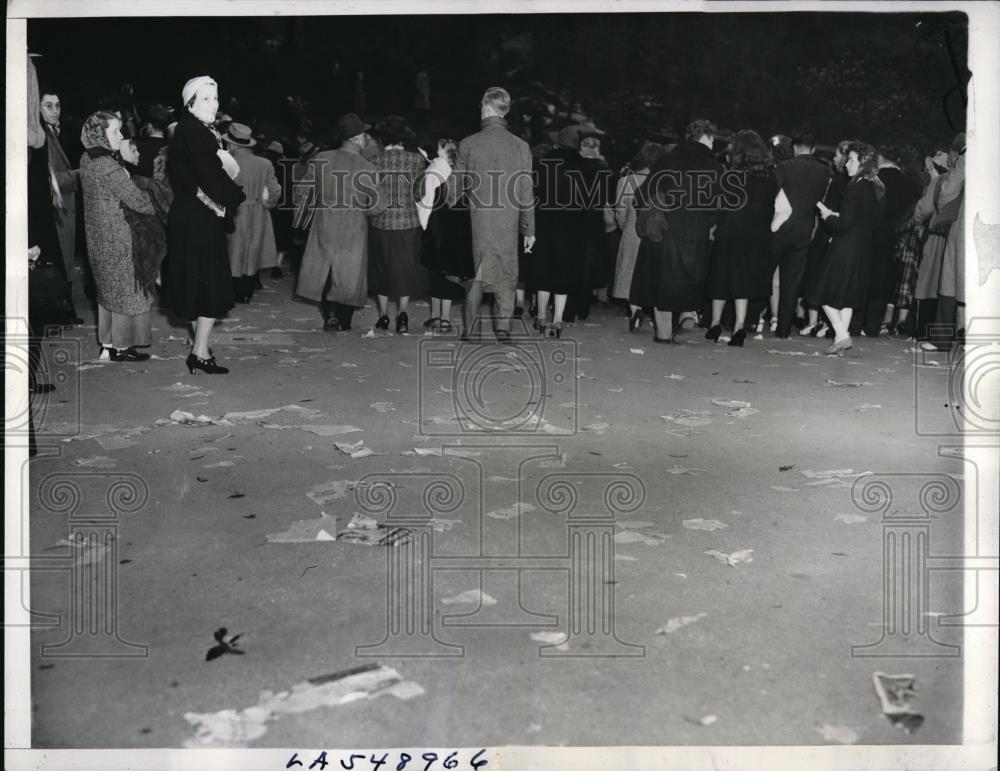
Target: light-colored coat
[493, 169]
[251, 245]
[344, 189]
[106, 187]
[628, 246]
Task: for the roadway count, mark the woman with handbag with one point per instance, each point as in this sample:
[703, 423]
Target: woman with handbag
[123, 302]
[199, 281]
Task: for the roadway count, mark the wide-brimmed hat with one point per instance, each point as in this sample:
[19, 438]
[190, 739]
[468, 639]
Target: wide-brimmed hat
[240, 134]
[276, 147]
[351, 125]
[395, 127]
[571, 135]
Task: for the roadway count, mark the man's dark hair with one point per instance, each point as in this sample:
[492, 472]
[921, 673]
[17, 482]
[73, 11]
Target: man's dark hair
[803, 139]
[698, 128]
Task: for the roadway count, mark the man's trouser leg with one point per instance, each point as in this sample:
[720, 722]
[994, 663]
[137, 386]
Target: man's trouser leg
[504, 297]
[791, 267]
[473, 299]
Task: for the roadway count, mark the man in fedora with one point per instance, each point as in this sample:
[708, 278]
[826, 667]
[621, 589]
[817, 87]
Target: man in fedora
[394, 268]
[340, 189]
[251, 244]
[493, 171]
[152, 138]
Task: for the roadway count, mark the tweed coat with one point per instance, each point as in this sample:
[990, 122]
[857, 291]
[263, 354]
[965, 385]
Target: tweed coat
[251, 244]
[344, 190]
[106, 187]
[493, 170]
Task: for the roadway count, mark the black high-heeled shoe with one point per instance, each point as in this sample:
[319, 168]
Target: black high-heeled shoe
[713, 333]
[738, 338]
[382, 323]
[555, 330]
[402, 323]
[208, 366]
[635, 321]
[128, 354]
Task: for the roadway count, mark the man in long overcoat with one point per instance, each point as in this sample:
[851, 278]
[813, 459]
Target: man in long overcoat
[67, 178]
[493, 171]
[677, 206]
[343, 194]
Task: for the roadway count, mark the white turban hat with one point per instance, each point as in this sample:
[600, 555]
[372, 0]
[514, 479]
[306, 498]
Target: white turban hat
[192, 86]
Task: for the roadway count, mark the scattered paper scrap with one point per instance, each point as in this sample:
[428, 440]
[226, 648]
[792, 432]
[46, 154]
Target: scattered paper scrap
[236, 728]
[383, 536]
[383, 407]
[672, 376]
[115, 442]
[637, 351]
[850, 519]
[471, 597]
[734, 559]
[896, 693]
[328, 430]
[734, 404]
[511, 511]
[558, 639]
[674, 624]
[632, 536]
[866, 407]
[330, 491]
[685, 470]
[704, 524]
[787, 353]
[634, 524]
[841, 734]
[308, 530]
[783, 489]
[97, 461]
[835, 384]
[187, 419]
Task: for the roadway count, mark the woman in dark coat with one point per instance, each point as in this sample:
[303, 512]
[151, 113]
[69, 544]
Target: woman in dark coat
[740, 266]
[842, 279]
[446, 250]
[569, 217]
[901, 193]
[199, 281]
[821, 240]
[672, 264]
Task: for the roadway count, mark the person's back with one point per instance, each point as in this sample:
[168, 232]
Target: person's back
[804, 180]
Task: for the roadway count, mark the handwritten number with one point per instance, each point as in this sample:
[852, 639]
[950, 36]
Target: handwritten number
[293, 761]
[321, 759]
[403, 760]
[377, 764]
[477, 764]
[452, 760]
[430, 757]
[351, 761]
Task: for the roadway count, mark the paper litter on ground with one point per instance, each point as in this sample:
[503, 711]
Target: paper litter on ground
[511, 511]
[328, 429]
[865, 407]
[558, 639]
[703, 524]
[633, 536]
[674, 624]
[471, 597]
[850, 519]
[97, 461]
[841, 734]
[896, 694]
[835, 384]
[734, 559]
[634, 524]
[308, 530]
[383, 407]
[237, 728]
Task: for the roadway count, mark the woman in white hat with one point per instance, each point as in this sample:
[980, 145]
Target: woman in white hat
[198, 281]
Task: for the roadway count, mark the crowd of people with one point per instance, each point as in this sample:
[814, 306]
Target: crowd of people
[189, 207]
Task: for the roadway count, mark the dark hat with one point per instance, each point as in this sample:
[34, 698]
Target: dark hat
[157, 113]
[571, 135]
[276, 147]
[240, 134]
[396, 127]
[350, 125]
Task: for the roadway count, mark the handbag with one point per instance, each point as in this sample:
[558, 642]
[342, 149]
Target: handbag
[944, 218]
[651, 224]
